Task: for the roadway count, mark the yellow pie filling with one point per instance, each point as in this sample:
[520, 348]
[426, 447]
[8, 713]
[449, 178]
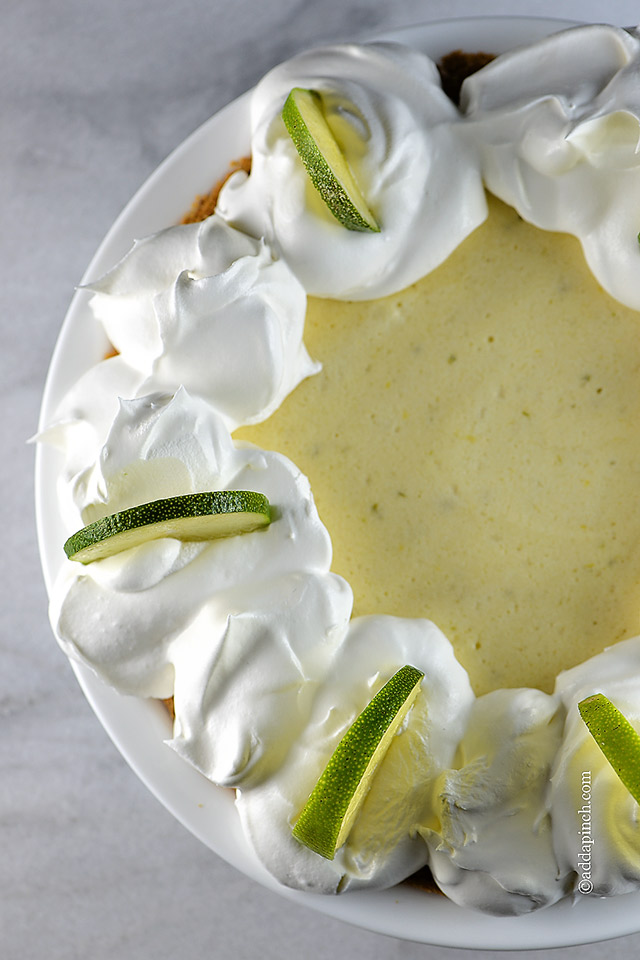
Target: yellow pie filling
[473, 446]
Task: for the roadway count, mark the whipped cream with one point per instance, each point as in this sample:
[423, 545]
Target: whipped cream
[384, 846]
[205, 306]
[123, 615]
[81, 425]
[398, 131]
[247, 670]
[494, 803]
[596, 821]
[558, 127]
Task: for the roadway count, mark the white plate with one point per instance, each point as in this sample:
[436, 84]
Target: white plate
[138, 727]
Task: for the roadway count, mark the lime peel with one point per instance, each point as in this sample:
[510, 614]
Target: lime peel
[194, 516]
[324, 161]
[616, 737]
[329, 813]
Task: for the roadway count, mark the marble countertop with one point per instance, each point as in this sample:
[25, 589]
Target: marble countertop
[94, 96]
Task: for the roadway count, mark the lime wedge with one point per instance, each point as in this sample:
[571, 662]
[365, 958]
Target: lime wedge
[324, 160]
[328, 815]
[615, 736]
[195, 516]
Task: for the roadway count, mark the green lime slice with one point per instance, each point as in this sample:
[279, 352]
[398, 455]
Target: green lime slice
[324, 161]
[194, 516]
[328, 815]
[615, 736]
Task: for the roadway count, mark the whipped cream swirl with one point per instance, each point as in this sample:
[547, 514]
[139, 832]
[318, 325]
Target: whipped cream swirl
[205, 306]
[398, 130]
[596, 821]
[81, 426]
[558, 127]
[197, 610]
[247, 670]
[384, 846]
[494, 803]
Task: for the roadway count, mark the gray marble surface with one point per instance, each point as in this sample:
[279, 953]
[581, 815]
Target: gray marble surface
[93, 96]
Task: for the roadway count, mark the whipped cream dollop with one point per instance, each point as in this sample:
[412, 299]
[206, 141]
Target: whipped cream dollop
[398, 131]
[558, 127]
[493, 803]
[596, 821]
[205, 306]
[80, 427]
[239, 631]
[384, 846]
[122, 614]
[247, 670]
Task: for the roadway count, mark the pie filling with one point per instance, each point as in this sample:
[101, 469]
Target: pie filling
[472, 446]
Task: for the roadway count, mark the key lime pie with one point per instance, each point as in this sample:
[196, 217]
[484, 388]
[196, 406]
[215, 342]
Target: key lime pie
[402, 358]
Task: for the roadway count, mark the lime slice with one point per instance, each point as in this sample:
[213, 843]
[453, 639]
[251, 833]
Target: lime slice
[324, 160]
[329, 813]
[195, 516]
[615, 736]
